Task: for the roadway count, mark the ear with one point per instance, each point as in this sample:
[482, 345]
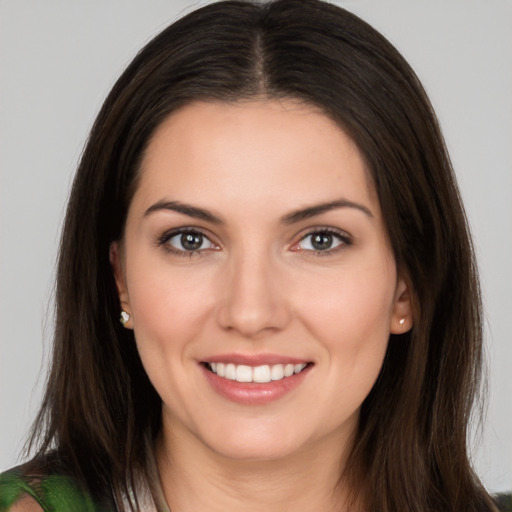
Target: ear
[402, 317]
[115, 256]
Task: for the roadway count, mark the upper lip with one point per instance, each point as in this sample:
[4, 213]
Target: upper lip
[255, 359]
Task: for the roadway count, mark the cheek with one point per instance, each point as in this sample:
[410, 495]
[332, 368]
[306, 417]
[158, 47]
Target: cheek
[166, 301]
[355, 335]
[351, 317]
[169, 310]
[354, 306]
[172, 308]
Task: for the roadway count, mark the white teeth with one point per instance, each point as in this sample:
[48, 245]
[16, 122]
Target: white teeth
[289, 369]
[243, 373]
[277, 372]
[261, 374]
[230, 371]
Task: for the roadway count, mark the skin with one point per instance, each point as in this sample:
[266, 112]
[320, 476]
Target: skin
[26, 504]
[257, 286]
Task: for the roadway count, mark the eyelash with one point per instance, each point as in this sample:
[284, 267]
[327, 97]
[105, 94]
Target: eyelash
[344, 238]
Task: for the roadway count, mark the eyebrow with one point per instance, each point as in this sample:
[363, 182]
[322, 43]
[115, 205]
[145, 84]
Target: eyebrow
[312, 211]
[185, 209]
[290, 218]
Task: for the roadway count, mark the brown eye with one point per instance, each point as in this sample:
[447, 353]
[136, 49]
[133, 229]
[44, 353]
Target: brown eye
[189, 241]
[322, 241]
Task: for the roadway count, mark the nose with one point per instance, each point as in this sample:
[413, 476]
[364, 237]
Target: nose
[253, 300]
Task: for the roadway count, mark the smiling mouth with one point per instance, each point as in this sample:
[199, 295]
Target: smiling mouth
[259, 374]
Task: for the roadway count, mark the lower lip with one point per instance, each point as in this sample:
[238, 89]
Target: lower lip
[253, 393]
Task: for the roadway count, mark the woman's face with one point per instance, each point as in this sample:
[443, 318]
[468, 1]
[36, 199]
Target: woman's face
[260, 282]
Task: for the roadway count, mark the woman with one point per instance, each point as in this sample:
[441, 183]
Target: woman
[270, 210]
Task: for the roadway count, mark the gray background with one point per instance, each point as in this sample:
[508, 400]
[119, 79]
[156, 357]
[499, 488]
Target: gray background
[58, 60]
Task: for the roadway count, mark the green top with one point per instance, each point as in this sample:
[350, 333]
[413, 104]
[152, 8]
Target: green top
[54, 493]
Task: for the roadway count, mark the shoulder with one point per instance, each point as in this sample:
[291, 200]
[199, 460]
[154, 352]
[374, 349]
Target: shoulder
[20, 492]
[16, 493]
[24, 504]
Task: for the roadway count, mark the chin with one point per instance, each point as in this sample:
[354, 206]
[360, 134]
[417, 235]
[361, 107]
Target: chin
[255, 445]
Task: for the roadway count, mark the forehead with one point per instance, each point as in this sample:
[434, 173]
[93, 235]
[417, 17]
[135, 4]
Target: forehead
[254, 151]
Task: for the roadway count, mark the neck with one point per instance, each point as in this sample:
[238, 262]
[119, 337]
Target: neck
[195, 477]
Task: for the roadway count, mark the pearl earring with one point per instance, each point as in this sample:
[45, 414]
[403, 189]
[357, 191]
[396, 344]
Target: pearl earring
[401, 322]
[124, 317]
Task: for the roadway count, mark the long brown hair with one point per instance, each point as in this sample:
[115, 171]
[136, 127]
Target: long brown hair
[100, 412]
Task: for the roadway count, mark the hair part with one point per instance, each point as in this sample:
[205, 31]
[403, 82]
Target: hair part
[102, 415]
